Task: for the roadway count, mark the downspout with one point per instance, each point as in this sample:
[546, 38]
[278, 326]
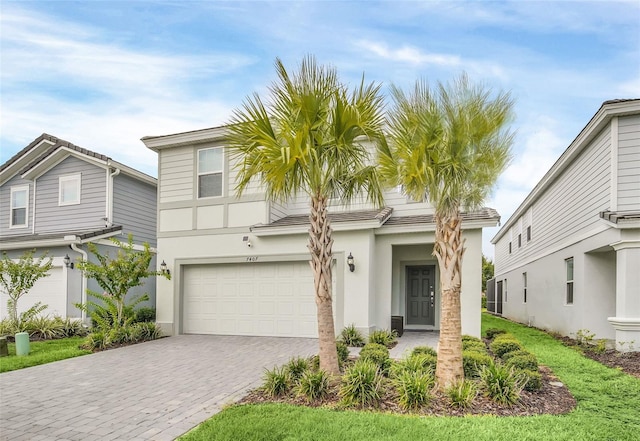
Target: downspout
[75, 248]
[109, 213]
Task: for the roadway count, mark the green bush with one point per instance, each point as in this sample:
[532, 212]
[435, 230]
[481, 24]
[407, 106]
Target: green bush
[313, 385]
[276, 382]
[483, 302]
[472, 345]
[361, 384]
[72, 327]
[503, 385]
[508, 355]
[419, 363]
[377, 354]
[424, 350]
[144, 331]
[314, 363]
[462, 393]
[296, 367]
[491, 333]
[505, 336]
[533, 380]
[414, 388]
[95, 341]
[502, 346]
[144, 314]
[473, 362]
[120, 335]
[352, 337]
[467, 338]
[523, 362]
[384, 337]
[343, 351]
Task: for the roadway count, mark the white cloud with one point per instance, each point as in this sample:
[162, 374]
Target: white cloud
[409, 54]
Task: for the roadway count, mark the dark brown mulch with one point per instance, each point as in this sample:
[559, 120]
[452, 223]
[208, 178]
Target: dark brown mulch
[628, 362]
[554, 398]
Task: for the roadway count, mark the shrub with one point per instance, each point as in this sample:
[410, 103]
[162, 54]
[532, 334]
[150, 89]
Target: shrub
[296, 367]
[491, 333]
[466, 338]
[508, 355]
[383, 337]
[313, 385]
[95, 341]
[120, 335]
[424, 350]
[361, 384]
[144, 331]
[352, 337]
[483, 302]
[343, 351]
[533, 380]
[501, 346]
[145, 314]
[472, 345]
[276, 382]
[462, 393]
[503, 385]
[72, 327]
[414, 388]
[417, 363]
[377, 354]
[43, 327]
[523, 362]
[314, 363]
[473, 362]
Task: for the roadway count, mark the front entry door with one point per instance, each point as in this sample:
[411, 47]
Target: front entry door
[421, 300]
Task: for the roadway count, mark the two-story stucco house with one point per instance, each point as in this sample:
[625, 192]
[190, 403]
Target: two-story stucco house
[55, 197]
[569, 257]
[239, 266]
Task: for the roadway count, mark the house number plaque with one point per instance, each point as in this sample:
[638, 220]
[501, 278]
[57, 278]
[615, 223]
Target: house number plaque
[252, 259]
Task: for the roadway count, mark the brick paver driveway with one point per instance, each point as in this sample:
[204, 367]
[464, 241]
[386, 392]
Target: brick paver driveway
[151, 391]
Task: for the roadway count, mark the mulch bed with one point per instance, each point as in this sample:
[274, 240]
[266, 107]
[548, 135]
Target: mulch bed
[554, 398]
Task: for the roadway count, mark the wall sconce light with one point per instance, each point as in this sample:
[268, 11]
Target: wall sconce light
[67, 262]
[351, 263]
[246, 239]
[164, 269]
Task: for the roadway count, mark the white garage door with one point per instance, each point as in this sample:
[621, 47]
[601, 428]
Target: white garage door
[265, 299]
[49, 290]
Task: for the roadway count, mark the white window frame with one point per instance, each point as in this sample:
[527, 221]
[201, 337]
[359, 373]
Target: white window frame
[504, 291]
[16, 189]
[569, 282]
[210, 172]
[77, 178]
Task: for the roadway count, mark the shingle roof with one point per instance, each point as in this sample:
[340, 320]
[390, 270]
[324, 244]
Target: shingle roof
[347, 216]
[482, 214]
[616, 217]
[82, 235]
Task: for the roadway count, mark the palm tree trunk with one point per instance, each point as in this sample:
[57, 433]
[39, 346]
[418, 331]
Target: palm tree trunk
[320, 243]
[449, 249]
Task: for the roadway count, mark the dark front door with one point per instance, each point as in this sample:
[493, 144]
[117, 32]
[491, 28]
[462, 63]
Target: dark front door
[421, 300]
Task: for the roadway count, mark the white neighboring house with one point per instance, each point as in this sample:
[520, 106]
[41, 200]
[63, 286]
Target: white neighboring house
[569, 257]
[239, 266]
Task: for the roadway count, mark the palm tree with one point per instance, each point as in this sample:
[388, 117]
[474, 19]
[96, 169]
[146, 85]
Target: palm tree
[308, 139]
[448, 146]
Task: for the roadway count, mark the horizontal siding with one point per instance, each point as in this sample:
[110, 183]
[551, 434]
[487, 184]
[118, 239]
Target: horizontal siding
[568, 207]
[134, 207]
[277, 211]
[176, 174]
[50, 217]
[5, 207]
[629, 163]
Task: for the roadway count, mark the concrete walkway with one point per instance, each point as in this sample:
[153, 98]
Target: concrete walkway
[151, 391]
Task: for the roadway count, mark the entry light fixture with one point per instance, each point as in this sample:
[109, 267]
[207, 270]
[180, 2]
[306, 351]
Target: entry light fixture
[351, 263]
[247, 241]
[164, 269]
[67, 262]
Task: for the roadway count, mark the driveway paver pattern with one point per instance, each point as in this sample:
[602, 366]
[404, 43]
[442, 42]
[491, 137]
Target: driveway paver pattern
[151, 391]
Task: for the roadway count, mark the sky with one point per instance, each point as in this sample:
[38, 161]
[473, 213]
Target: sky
[103, 74]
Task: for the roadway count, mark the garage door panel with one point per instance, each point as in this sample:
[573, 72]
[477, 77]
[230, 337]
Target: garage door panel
[274, 299]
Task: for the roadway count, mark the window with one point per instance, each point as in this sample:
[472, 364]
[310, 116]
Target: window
[528, 233]
[69, 193]
[524, 285]
[19, 204]
[509, 247]
[568, 263]
[519, 240]
[504, 287]
[210, 172]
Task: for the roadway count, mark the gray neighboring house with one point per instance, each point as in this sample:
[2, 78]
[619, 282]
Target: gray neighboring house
[56, 197]
[240, 266]
[569, 257]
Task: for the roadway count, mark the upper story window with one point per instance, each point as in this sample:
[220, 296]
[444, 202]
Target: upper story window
[568, 263]
[519, 240]
[528, 233]
[69, 189]
[509, 247]
[19, 206]
[210, 164]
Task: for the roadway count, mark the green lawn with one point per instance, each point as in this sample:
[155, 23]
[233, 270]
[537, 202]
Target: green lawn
[42, 352]
[608, 409]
